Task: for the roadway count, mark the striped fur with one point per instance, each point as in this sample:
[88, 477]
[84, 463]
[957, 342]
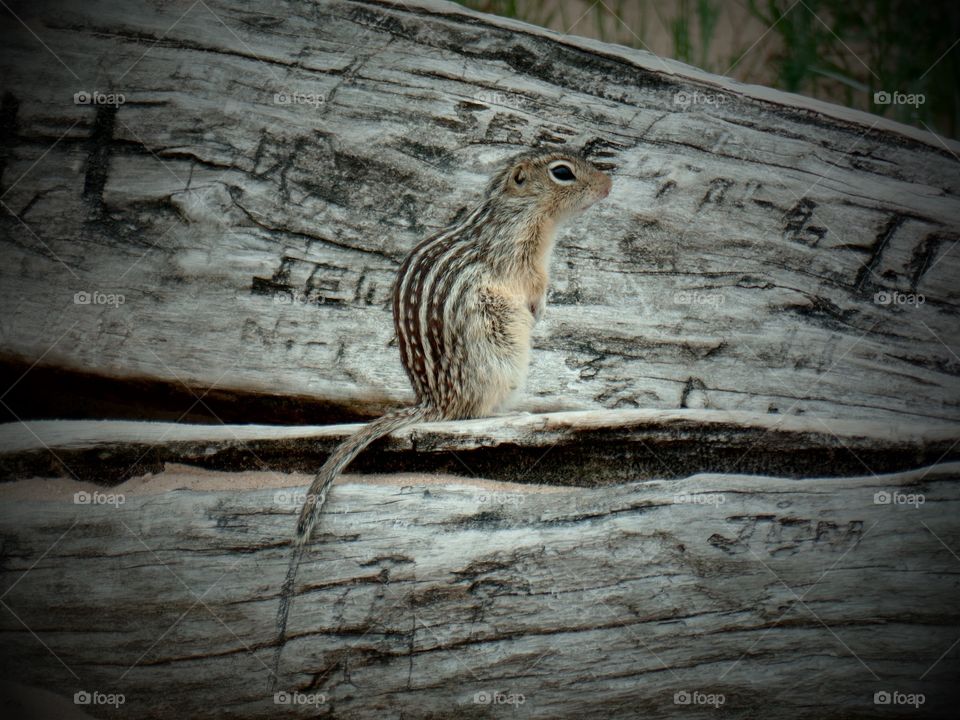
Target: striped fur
[464, 303]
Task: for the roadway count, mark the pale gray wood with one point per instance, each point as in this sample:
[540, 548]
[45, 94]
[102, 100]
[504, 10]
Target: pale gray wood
[733, 267]
[616, 446]
[779, 594]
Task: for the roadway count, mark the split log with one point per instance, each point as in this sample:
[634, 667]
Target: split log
[604, 447]
[269, 167]
[425, 597]
[770, 281]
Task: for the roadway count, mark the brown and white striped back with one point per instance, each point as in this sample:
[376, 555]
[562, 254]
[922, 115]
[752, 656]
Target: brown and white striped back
[430, 288]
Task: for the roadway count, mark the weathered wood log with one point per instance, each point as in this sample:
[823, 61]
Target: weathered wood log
[605, 447]
[251, 197]
[772, 275]
[771, 596]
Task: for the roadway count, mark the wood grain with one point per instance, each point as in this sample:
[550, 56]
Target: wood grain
[604, 446]
[735, 265]
[779, 595]
[753, 501]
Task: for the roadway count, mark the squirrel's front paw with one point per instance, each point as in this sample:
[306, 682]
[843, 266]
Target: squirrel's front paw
[537, 308]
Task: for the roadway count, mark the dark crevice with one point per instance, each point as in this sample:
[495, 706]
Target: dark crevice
[98, 157]
[863, 282]
[923, 256]
[47, 392]
[588, 457]
[9, 107]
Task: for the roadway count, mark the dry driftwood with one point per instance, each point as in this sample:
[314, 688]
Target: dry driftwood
[775, 595]
[730, 283]
[254, 242]
[605, 447]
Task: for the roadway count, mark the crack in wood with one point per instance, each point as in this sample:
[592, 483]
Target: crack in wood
[9, 107]
[98, 157]
[863, 282]
[923, 256]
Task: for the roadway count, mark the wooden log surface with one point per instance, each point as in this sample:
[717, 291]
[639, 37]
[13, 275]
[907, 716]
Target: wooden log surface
[765, 596]
[768, 290]
[573, 448]
[270, 164]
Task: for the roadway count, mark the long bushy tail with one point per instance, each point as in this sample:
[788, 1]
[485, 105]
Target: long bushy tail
[312, 507]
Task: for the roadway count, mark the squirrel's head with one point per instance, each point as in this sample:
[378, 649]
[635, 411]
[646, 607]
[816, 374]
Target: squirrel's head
[557, 183]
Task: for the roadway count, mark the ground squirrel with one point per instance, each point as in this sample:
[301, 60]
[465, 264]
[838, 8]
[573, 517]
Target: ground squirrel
[464, 303]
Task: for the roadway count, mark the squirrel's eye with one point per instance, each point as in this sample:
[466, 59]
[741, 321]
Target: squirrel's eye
[563, 173]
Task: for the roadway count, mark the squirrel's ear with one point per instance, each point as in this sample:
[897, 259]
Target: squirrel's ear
[519, 175]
